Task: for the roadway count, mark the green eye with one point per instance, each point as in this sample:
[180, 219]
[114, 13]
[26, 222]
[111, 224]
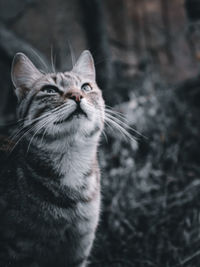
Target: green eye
[50, 90]
[86, 87]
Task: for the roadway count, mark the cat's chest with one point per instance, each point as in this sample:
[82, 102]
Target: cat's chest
[65, 225]
[75, 164]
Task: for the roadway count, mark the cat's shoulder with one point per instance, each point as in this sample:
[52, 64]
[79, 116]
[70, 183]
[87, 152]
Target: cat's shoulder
[6, 146]
[5, 143]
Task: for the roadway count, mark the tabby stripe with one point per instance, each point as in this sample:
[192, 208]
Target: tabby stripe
[48, 195]
[90, 198]
[40, 168]
[60, 198]
[44, 96]
[72, 195]
[39, 112]
[93, 132]
[49, 138]
[54, 78]
[88, 173]
[28, 105]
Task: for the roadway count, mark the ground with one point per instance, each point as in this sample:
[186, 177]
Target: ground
[150, 187]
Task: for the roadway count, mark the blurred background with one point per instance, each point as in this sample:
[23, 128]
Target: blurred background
[147, 55]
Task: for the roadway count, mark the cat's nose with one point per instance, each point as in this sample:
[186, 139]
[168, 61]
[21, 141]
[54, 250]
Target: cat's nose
[76, 95]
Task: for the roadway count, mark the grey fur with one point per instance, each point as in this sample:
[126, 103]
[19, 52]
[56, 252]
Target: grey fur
[51, 183]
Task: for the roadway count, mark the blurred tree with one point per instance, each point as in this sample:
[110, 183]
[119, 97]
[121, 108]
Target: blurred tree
[128, 38]
[193, 9]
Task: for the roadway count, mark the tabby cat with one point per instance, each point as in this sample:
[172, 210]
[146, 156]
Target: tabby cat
[50, 182]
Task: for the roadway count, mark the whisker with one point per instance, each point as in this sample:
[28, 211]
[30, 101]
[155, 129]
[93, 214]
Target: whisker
[40, 59]
[120, 128]
[35, 121]
[113, 129]
[52, 60]
[105, 136]
[43, 136]
[63, 114]
[123, 124]
[110, 110]
[10, 123]
[118, 121]
[17, 142]
[118, 115]
[37, 130]
[71, 54]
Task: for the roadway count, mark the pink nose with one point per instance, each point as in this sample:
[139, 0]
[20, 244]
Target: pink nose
[76, 95]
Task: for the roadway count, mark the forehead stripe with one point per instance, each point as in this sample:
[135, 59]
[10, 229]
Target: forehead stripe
[54, 78]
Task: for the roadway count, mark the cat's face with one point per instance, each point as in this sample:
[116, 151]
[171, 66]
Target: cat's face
[68, 102]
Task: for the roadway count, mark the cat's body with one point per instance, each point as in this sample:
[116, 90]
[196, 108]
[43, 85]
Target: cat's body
[50, 183]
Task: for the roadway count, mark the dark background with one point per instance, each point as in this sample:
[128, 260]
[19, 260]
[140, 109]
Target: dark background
[147, 56]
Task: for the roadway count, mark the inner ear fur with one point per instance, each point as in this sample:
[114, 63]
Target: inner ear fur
[23, 74]
[85, 65]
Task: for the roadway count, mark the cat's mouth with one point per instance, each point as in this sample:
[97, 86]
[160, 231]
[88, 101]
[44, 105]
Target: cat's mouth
[76, 113]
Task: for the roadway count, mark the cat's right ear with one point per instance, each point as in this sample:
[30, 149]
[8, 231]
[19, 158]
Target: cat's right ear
[23, 74]
[85, 65]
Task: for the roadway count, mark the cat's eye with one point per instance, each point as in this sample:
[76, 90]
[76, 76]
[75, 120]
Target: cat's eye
[86, 87]
[50, 89]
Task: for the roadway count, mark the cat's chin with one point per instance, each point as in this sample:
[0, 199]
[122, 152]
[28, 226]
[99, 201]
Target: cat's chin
[76, 118]
[80, 120]
[72, 125]
[77, 114]
[79, 125]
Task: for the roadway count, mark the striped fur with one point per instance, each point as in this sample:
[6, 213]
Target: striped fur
[50, 183]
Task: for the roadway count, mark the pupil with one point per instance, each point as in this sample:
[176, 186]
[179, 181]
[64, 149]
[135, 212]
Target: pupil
[86, 87]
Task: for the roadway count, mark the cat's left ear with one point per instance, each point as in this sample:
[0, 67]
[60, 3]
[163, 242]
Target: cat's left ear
[23, 74]
[85, 65]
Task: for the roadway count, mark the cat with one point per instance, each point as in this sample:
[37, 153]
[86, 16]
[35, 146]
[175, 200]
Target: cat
[50, 182]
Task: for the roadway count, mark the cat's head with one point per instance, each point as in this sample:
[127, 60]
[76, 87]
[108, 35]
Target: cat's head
[68, 102]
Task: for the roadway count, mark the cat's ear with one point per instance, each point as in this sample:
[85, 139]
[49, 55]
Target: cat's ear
[23, 74]
[85, 65]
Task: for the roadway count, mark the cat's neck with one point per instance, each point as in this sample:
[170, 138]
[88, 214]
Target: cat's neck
[71, 158]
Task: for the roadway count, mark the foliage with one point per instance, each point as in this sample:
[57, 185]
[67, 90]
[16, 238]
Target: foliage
[151, 201]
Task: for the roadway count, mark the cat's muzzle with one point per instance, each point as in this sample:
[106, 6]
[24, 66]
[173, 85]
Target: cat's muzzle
[78, 112]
